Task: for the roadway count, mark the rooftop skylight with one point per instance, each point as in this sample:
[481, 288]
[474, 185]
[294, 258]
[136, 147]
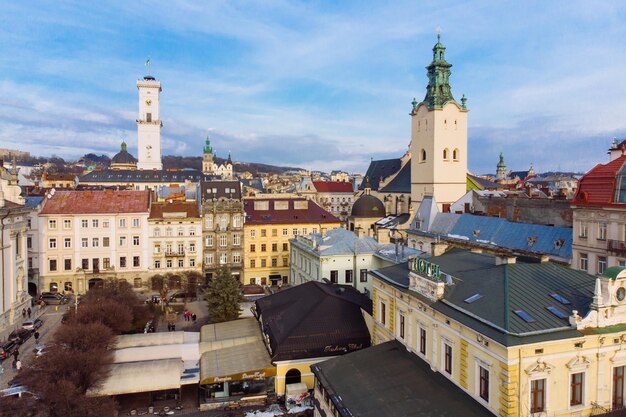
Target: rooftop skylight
[557, 312]
[560, 298]
[524, 316]
[473, 298]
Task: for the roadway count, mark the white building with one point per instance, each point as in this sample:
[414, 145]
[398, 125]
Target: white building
[88, 236]
[342, 258]
[175, 237]
[13, 254]
[149, 124]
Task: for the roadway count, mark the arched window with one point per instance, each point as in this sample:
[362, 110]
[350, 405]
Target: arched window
[455, 154]
[422, 155]
[293, 376]
[446, 154]
[137, 283]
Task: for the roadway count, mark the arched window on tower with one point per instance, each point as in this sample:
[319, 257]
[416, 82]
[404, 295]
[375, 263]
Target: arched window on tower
[422, 155]
[455, 154]
[446, 154]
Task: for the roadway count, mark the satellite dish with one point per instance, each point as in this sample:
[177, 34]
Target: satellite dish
[48, 196]
[53, 191]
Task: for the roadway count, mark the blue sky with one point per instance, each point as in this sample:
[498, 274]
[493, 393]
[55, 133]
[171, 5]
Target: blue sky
[321, 85]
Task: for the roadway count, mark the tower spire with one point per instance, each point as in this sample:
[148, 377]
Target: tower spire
[438, 91]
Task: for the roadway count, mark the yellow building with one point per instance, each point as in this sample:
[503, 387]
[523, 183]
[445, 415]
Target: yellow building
[270, 223]
[522, 338]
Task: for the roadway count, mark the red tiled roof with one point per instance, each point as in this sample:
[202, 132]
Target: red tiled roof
[311, 214]
[597, 187]
[97, 202]
[333, 186]
[189, 207]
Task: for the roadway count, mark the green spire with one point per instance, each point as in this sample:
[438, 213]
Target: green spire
[123, 146]
[438, 90]
[207, 146]
[501, 164]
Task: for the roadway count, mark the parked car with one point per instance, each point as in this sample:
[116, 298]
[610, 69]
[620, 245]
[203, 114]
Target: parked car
[53, 298]
[18, 391]
[32, 324]
[181, 296]
[20, 335]
[7, 348]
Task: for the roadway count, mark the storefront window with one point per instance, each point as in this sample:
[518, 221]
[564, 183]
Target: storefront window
[237, 388]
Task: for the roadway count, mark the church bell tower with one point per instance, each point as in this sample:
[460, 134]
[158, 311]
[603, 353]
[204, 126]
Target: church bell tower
[149, 124]
[438, 138]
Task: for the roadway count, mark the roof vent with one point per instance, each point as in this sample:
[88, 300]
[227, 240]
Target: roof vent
[505, 260]
[530, 240]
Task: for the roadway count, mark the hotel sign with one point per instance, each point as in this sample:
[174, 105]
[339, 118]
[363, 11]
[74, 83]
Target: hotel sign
[422, 266]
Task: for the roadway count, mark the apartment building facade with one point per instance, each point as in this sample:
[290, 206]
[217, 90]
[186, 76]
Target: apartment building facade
[88, 236]
[269, 226]
[222, 227]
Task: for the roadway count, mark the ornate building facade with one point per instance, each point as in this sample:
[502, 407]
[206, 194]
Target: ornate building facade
[222, 231]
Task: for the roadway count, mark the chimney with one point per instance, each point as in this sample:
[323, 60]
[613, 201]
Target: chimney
[505, 260]
[438, 248]
[545, 258]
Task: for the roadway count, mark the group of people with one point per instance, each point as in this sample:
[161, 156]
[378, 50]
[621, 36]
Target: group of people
[189, 316]
[26, 312]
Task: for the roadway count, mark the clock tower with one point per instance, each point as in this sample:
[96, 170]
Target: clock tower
[149, 124]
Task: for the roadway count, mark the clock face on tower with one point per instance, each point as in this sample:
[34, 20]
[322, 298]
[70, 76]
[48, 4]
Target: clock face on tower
[148, 102]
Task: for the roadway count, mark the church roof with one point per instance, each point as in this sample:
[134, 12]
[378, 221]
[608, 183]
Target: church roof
[368, 206]
[379, 170]
[401, 183]
[123, 157]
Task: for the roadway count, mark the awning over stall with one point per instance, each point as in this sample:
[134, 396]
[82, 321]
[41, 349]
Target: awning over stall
[236, 363]
[143, 376]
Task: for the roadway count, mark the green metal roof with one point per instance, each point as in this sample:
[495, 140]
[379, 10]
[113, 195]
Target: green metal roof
[612, 271]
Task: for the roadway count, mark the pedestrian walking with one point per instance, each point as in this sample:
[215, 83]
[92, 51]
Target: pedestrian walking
[36, 334]
[23, 313]
[18, 365]
[193, 317]
[1, 370]
[29, 311]
[185, 315]
[16, 353]
[188, 315]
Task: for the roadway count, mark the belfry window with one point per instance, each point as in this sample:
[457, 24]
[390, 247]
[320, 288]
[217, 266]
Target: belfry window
[422, 155]
[446, 154]
[148, 117]
[455, 155]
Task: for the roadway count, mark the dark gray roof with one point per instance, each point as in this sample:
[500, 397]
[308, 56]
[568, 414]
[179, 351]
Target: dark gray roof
[401, 182]
[381, 169]
[220, 189]
[368, 206]
[302, 321]
[387, 380]
[504, 289]
[128, 175]
[256, 183]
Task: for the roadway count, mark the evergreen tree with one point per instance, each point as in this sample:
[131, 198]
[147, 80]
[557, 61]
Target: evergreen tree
[223, 297]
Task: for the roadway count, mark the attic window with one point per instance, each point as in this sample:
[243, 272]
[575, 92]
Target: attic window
[531, 240]
[558, 244]
[524, 316]
[560, 298]
[557, 312]
[473, 298]
[476, 232]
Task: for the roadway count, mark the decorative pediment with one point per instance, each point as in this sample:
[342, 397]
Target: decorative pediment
[540, 367]
[619, 357]
[579, 363]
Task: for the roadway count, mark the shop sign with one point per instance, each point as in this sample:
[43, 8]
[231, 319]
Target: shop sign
[422, 266]
[254, 374]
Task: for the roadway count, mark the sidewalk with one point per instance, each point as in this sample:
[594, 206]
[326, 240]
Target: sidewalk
[51, 318]
[36, 312]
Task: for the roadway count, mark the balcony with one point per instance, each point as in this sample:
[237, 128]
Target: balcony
[172, 254]
[616, 247]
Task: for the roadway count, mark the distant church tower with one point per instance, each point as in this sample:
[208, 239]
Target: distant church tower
[438, 138]
[501, 169]
[149, 124]
[207, 160]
